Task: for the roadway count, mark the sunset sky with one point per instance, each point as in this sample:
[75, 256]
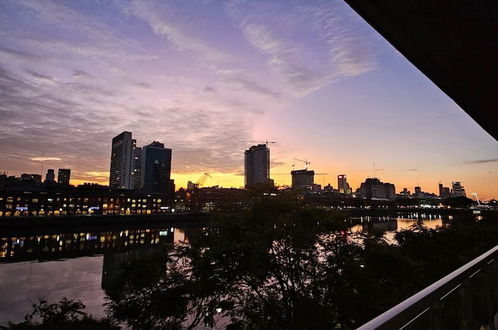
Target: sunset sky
[205, 76]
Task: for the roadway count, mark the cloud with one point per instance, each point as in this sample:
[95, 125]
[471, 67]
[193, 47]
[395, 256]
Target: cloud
[158, 15]
[91, 79]
[41, 77]
[482, 161]
[241, 80]
[15, 55]
[143, 85]
[44, 159]
[275, 163]
[282, 33]
[81, 74]
[413, 170]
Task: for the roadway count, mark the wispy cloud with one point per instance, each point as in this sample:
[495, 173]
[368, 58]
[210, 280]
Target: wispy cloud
[296, 58]
[81, 74]
[45, 159]
[158, 15]
[481, 161]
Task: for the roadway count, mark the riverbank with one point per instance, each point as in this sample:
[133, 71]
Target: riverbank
[61, 224]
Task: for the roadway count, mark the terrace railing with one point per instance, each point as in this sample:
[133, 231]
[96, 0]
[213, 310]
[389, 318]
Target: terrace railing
[464, 299]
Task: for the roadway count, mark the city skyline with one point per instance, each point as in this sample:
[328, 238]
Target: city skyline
[314, 77]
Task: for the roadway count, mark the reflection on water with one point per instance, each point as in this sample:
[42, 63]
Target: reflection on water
[26, 282]
[72, 265]
[78, 265]
[391, 225]
[394, 224]
[70, 245]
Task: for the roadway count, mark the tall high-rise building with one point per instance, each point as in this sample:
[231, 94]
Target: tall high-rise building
[64, 176]
[303, 179]
[457, 189]
[257, 165]
[121, 161]
[343, 185]
[50, 176]
[136, 165]
[156, 168]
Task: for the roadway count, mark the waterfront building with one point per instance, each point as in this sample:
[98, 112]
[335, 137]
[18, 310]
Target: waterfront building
[257, 165]
[457, 190]
[50, 176]
[303, 179]
[156, 168]
[18, 200]
[374, 189]
[121, 161]
[64, 176]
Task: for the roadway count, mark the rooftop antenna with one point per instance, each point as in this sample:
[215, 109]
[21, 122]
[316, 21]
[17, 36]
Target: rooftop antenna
[374, 170]
[42, 163]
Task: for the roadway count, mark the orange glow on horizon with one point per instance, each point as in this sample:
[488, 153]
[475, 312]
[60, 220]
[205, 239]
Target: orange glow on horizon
[485, 188]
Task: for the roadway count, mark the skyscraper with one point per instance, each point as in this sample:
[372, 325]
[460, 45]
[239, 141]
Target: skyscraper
[156, 168]
[121, 161]
[50, 176]
[136, 165]
[257, 165]
[64, 176]
[342, 184]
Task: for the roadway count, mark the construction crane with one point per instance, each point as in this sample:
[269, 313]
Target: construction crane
[289, 173]
[306, 162]
[202, 179]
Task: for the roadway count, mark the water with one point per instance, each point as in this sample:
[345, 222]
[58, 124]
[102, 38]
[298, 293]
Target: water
[51, 266]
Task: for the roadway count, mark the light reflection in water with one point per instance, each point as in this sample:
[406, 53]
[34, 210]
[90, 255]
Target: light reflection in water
[72, 265]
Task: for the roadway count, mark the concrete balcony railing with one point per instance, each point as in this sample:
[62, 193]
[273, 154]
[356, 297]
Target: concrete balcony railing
[464, 299]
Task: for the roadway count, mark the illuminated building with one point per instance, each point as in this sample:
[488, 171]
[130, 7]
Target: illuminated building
[257, 165]
[156, 168]
[303, 179]
[343, 185]
[136, 172]
[82, 200]
[121, 161]
[457, 190]
[64, 176]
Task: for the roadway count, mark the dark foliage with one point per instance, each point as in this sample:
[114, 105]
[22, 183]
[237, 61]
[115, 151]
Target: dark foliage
[280, 265]
[66, 314]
